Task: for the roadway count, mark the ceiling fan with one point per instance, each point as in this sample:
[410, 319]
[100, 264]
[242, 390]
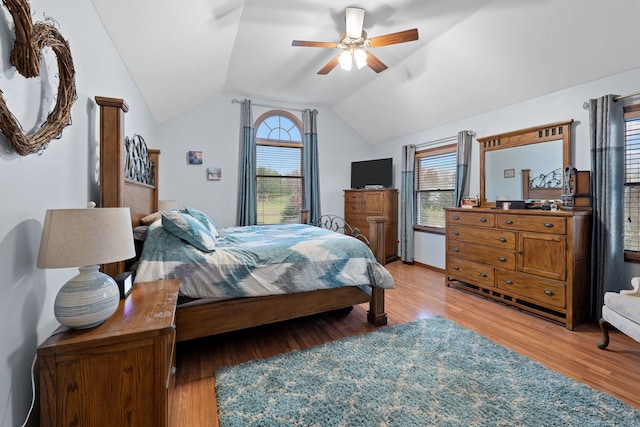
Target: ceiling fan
[355, 44]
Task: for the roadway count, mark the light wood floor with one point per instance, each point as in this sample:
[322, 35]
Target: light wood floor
[420, 293]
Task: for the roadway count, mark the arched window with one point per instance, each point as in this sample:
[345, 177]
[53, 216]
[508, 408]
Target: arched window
[279, 172]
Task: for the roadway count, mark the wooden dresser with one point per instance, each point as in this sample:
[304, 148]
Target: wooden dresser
[360, 204]
[120, 373]
[536, 260]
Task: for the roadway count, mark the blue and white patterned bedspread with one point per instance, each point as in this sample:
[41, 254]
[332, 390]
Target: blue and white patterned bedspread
[261, 260]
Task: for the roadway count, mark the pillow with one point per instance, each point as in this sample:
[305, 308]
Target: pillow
[189, 229]
[150, 219]
[203, 218]
[140, 232]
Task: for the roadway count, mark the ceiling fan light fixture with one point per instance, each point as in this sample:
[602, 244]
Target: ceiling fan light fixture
[360, 57]
[345, 60]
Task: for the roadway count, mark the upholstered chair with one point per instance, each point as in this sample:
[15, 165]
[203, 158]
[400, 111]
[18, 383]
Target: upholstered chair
[622, 311]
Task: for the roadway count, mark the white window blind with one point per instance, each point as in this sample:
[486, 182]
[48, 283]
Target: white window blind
[279, 172]
[435, 175]
[632, 182]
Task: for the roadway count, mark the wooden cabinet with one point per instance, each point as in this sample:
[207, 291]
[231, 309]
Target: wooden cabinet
[536, 260]
[120, 373]
[360, 204]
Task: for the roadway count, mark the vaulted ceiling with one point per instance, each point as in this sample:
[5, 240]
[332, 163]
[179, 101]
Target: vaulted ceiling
[472, 56]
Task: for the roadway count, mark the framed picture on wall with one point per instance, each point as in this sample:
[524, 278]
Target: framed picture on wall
[214, 173]
[194, 157]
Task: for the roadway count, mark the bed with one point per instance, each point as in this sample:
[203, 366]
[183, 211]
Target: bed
[118, 188]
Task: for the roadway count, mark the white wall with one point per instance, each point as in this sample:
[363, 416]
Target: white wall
[62, 177]
[214, 128]
[558, 106]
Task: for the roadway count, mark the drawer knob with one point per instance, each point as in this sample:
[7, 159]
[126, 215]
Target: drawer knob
[508, 221]
[502, 259]
[456, 217]
[483, 274]
[173, 326]
[455, 267]
[456, 250]
[502, 239]
[548, 292]
[548, 225]
[456, 233]
[508, 282]
[174, 371]
[483, 219]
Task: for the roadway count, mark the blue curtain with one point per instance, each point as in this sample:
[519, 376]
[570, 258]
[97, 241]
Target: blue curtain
[407, 190]
[462, 170]
[606, 128]
[310, 163]
[247, 199]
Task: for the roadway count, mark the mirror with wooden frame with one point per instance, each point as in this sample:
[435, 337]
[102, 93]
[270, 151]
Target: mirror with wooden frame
[525, 164]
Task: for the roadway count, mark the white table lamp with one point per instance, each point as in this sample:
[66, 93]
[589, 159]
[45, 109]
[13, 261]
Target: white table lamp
[85, 238]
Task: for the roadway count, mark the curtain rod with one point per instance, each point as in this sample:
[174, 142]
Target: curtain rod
[239, 101]
[585, 105]
[629, 95]
[441, 140]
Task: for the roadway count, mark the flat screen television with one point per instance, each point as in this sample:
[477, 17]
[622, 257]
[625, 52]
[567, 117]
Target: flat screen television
[377, 172]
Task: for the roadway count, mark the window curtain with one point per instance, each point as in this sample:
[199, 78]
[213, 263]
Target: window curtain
[247, 199]
[407, 191]
[462, 170]
[606, 132]
[310, 164]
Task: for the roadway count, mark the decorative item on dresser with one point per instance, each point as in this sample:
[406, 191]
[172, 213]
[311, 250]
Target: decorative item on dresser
[359, 205]
[121, 373]
[538, 261]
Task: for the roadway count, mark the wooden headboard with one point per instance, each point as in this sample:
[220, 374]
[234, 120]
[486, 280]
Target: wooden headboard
[116, 190]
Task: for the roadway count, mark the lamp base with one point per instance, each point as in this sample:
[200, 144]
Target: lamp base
[87, 300]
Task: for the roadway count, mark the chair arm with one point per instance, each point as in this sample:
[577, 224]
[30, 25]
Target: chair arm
[635, 282]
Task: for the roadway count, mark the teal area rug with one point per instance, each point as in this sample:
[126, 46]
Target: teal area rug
[430, 372]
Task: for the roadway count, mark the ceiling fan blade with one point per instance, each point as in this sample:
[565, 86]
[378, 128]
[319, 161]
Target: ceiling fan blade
[394, 38]
[354, 19]
[330, 65]
[374, 63]
[314, 44]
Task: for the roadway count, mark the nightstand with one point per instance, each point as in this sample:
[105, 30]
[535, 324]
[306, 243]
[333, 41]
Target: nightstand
[120, 373]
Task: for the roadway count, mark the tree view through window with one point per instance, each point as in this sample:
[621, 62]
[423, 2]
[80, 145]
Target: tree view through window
[279, 173]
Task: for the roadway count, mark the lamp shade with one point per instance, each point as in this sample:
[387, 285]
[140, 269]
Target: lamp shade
[84, 237]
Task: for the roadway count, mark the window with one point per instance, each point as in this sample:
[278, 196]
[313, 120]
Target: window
[435, 175]
[279, 174]
[632, 183]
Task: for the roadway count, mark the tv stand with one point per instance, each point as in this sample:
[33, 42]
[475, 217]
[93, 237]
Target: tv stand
[359, 204]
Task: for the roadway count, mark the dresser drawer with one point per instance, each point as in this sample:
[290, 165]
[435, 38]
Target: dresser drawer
[487, 237]
[478, 253]
[480, 274]
[353, 197]
[539, 290]
[540, 224]
[354, 208]
[479, 219]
